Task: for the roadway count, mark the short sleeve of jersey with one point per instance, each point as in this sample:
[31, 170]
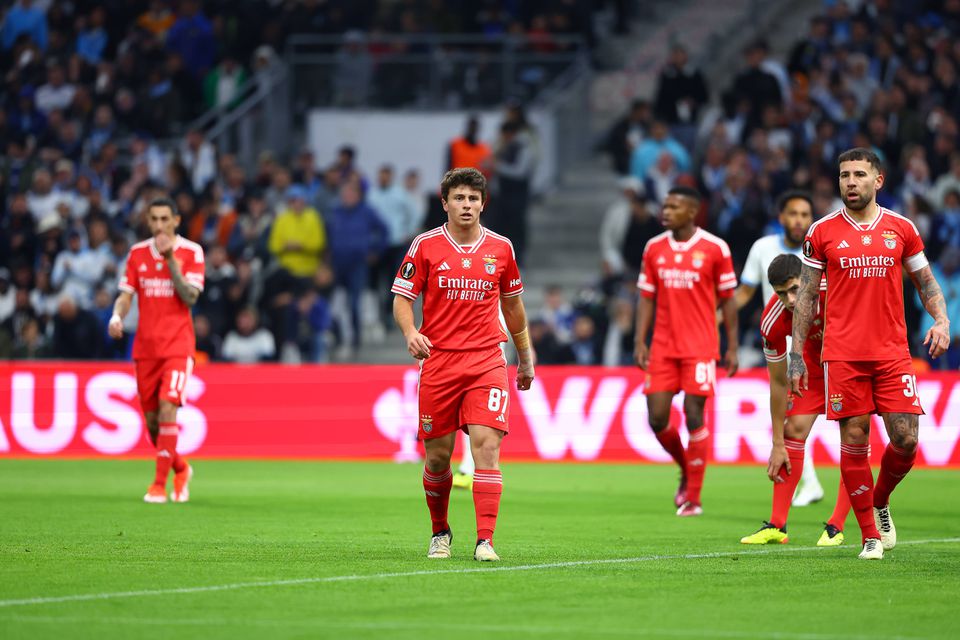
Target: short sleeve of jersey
[726, 277]
[129, 281]
[193, 269]
[412, 273]
[647, 282]
[914, 258]
[510, 282]
[752, 269]
[813, 253]
[772, 335]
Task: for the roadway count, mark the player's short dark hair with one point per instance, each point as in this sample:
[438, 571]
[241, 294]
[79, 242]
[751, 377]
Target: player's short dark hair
[861, 153]
[463, 177]
[784, 268]
[686, 192]
[170, 203]
[793, 194]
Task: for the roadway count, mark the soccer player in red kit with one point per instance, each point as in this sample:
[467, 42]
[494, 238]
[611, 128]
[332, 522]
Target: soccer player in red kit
[467, 276]
[866, 358]
[166, 274]
[686, 272]
[792, 417]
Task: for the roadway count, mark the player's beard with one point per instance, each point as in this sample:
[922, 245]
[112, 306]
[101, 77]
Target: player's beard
[859, 204]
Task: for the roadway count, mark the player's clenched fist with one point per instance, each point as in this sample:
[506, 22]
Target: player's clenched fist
[115, 327]
[524, 375]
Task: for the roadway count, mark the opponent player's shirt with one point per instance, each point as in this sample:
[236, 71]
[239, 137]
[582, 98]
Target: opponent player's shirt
[165, 329]
[687, 279]
[761, 255]
[461, 287]
[864, 307]
[776, 326]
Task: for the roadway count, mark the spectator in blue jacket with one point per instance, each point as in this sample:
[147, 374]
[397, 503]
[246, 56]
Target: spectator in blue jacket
[24, 18]
[356, 237]
[192, 37]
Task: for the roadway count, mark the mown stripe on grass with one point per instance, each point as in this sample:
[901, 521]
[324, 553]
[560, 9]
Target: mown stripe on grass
[110, 595]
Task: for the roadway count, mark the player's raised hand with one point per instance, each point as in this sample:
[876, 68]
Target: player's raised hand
[164, 244]
[115, 327]
[778, 459]
[732, 360]
[938, 337]
[797, 373]
[419, 345]
[524, 375]
[641, 355]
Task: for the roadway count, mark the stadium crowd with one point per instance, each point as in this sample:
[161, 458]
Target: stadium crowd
[880, 74]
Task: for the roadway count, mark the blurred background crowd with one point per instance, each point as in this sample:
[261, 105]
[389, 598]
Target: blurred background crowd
[97, 100]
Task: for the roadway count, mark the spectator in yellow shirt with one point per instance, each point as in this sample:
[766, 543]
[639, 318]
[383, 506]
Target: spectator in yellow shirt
[298, 238]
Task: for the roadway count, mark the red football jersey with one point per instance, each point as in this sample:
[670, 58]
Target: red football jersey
[165, 329]
[461, 287]
[776, 325]
[864, 307]
[687, 279]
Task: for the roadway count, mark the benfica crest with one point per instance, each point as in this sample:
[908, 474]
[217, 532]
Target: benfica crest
[490, 264]
[889, 239]
[836, 402]
[426, 423]
[698, 257]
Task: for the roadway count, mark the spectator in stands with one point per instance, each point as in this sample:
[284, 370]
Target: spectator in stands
[557, 313]
[513, 162]
[249, 343]
[18, 238]
[199, 158]
[56, 92]
[24, 19]
[357, 239]
[469, 151]
[219, 277]
[76, 270]
[308, 327]
[8, 295]
[41, 199]
[192, 37]
[252, 230]
[681, 94]
[25, 117]
[395, 208]
[30, 343]
[76, 333]
[613, 229]
[947, 272]
[627, 134]
[92, 38]
[297, 238]
[354, 71]
[221, 87]
[208, 343]
[158, 19]
[756, 86]
[647, 153]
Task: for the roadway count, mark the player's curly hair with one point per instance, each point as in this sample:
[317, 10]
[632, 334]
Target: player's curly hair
[861, 153]
[463, 177]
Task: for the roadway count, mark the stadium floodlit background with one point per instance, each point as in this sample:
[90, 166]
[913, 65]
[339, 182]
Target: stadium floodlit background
[252, 112]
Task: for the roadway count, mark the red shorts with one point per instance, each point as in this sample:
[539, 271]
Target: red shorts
[162, 379]
[458, 388]
[692, 376]
[862, 388]
[813, 400]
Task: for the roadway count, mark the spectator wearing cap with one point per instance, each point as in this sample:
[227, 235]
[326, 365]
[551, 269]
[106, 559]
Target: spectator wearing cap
[24, 18]
[297, 238]
[56, 93]
[77, 270]
[357, 239]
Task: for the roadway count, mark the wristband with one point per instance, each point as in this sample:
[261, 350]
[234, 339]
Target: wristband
[116, 317]
[521, 340]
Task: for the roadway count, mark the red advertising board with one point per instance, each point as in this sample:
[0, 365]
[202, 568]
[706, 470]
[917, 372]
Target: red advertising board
[275, 411]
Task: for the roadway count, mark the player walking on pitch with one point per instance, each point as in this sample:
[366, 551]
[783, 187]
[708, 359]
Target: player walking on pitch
[866, 358]
[166, 274]
[685, 272]
[792, 418]
[795, 216]
[467, 275]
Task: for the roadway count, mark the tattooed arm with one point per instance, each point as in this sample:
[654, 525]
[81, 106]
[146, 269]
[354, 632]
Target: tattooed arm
[938, 337]
[803, 313]
[185, 291]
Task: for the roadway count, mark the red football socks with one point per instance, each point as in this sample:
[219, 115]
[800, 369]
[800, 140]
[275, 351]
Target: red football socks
[179, 463]
[166, 451]
[893, 467]
[783, 491]
[841, 509]
[858, 480]
[436, 486]
[487, 487]
[669, 439]
[697, 462]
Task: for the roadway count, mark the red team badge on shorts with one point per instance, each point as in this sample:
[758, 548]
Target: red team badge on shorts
[836, 402]
[426, 423]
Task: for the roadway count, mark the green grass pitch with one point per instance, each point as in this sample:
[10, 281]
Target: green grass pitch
[315, 550]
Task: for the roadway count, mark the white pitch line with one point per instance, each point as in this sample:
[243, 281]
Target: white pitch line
[83, 597]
